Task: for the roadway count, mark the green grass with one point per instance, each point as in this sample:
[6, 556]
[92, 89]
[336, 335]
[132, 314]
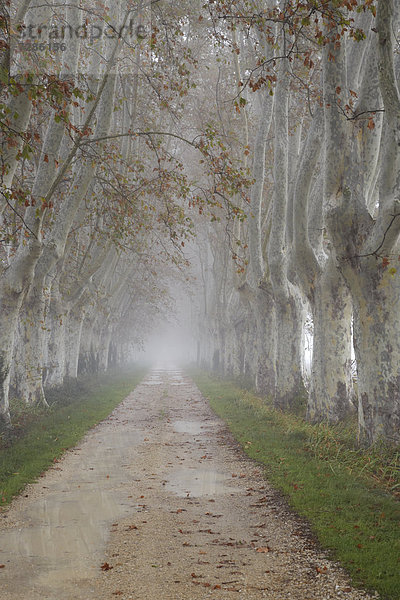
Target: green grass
[41, 436]
[348, 495]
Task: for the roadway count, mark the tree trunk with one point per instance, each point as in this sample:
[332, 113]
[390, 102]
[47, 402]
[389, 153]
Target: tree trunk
[13, 284]
[73, 341]
[289, 327]
[288, 316]
[104, 350]
[30, 351]
[265, 343]
[377, 349]
[331, 379]
[55, 364]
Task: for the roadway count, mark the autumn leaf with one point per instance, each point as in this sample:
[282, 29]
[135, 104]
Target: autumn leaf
[263, 549]
[106, 567]
[321, 570]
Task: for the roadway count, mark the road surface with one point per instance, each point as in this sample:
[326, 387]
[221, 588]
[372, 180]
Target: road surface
[158, 502]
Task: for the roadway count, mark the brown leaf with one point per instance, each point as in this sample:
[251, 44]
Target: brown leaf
[106, 567]
[263, 549]
[2, 566]
[321, 569]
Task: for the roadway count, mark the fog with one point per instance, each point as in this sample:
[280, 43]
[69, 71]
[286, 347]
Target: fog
[169, 346]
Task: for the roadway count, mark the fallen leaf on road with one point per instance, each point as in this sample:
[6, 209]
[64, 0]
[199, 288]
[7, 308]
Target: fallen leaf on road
[106, 567]
[321, 569]
[263, 549]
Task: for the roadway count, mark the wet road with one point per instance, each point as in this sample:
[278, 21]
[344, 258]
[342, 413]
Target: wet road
[159, 502]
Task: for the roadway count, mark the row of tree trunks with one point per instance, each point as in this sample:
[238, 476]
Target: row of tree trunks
[323, 235]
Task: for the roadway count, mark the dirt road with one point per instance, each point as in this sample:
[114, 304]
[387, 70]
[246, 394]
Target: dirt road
[158, 502]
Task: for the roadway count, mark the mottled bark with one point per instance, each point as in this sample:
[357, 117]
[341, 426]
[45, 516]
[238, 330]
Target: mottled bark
[328, 297]
[73, 333]
[377, 349]
[331, 377]
[365, 243]
[30, 349]
[56, 322]
[288, 317]
[13, 285]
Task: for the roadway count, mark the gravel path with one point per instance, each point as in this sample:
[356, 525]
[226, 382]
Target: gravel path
[158, 502]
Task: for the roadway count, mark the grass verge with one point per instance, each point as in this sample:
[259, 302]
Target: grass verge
[41, 436]
[353, 511]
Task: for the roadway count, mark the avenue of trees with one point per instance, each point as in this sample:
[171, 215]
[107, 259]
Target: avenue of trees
[260, 139]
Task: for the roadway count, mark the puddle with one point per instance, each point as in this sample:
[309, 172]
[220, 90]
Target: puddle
[152, 380]
[193, 427]
[198, 482]
[65, 532]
